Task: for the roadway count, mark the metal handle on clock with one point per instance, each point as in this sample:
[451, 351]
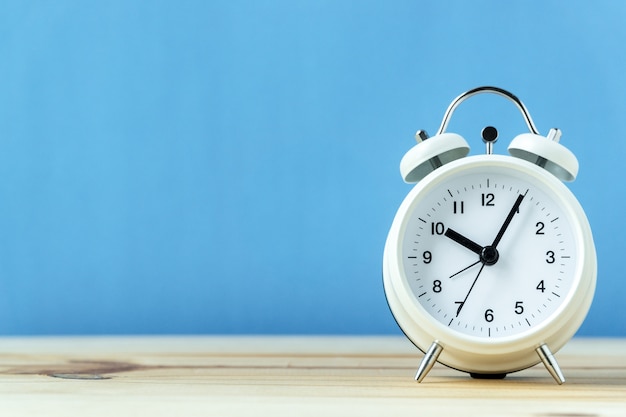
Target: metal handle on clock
[487, 89]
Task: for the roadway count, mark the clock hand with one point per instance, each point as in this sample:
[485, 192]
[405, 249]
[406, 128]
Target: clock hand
[464, 269]
[462, 303]
[462, 240]
[508, 219]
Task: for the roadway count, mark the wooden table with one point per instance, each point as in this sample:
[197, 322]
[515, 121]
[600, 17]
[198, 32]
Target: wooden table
[289, 376]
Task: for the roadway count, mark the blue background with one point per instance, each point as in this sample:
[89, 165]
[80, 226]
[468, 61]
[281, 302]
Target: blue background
[232, 166]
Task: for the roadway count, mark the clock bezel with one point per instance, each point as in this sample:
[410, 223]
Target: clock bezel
[502, 354]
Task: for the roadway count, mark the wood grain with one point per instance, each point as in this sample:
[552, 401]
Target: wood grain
[289, 376]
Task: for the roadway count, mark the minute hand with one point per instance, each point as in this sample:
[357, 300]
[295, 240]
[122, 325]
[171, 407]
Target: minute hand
[508, 220]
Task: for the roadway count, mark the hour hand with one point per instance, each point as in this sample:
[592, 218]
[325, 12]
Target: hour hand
[462, 240]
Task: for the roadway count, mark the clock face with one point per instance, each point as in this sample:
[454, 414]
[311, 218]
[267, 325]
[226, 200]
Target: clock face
[489, 252]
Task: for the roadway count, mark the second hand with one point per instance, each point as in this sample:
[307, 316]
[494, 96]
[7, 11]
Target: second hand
[464, 269]
[462, 303]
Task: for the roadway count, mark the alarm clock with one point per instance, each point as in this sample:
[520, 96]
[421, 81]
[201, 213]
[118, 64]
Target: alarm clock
[490, 265]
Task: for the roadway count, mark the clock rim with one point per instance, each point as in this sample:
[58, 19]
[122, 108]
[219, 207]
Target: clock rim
[481, 354]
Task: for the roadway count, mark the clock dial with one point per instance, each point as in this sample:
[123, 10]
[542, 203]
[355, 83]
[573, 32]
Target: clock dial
[489, 253]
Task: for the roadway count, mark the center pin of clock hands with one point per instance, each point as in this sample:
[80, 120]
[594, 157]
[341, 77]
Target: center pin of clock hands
[488, 255]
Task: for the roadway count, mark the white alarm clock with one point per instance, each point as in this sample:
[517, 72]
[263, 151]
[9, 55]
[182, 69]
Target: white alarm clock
[489, 266]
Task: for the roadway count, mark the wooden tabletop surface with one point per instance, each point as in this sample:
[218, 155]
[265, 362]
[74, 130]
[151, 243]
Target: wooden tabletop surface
[290, 376]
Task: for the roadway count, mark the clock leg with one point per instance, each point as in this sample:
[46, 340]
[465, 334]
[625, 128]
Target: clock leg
[428, 361]
[550, 362]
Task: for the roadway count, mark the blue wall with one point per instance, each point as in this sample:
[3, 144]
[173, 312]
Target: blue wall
[232, 166]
